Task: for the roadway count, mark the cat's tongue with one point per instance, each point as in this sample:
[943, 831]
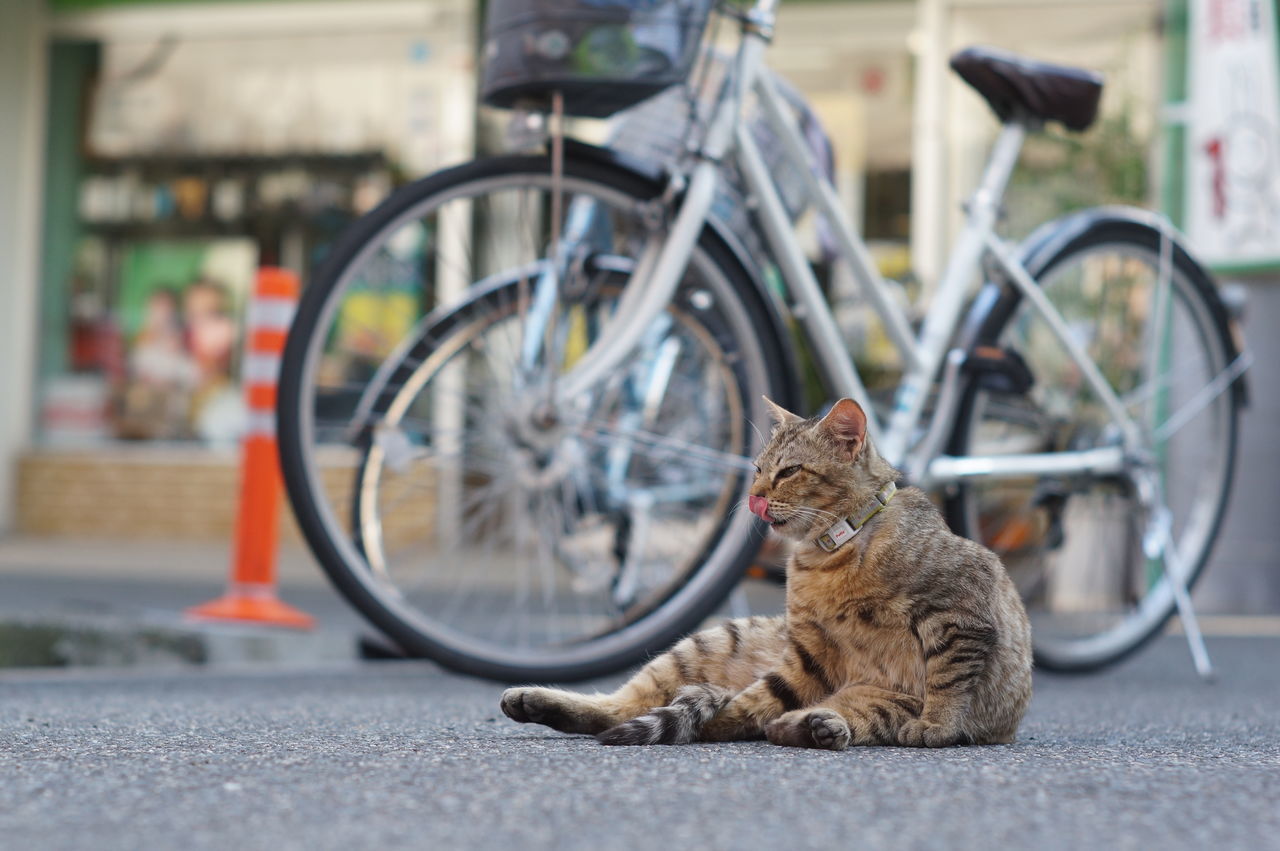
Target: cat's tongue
[759, 506]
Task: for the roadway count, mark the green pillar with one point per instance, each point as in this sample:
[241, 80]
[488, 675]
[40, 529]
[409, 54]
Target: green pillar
[71, 66]
[1172, 184]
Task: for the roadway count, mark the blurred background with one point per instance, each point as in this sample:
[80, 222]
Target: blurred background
[154, 154]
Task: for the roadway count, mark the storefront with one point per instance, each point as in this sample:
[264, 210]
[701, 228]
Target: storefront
[186, 145]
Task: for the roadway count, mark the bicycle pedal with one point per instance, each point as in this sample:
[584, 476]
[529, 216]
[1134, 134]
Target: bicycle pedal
[1001, 370]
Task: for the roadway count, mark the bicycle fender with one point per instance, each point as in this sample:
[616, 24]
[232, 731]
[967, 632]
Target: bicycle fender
[654, 174]
[996, 299]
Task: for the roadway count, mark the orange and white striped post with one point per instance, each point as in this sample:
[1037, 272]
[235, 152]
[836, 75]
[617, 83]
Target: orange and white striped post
[251, 591]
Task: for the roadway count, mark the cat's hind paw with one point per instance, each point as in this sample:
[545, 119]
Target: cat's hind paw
[558, 710]
[529, 705]
[513, 707]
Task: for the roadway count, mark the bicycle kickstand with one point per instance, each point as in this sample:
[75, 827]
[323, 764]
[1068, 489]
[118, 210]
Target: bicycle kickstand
[1159, 544]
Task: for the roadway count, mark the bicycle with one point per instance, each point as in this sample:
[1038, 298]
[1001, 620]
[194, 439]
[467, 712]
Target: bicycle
[517, 408]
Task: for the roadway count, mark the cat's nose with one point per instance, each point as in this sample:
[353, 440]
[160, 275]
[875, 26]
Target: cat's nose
[759, 506]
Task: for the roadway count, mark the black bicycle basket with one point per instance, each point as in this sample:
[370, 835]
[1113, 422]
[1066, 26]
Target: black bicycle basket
[602, 55]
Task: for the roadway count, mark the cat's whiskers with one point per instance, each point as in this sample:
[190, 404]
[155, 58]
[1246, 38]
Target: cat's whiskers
[819, 512]
[810, 513]
[742, 505]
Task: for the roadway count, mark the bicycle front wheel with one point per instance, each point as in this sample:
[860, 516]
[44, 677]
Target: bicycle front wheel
[1073, 544]
[465, 516]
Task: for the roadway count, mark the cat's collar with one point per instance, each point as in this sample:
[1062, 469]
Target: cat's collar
[842, 532]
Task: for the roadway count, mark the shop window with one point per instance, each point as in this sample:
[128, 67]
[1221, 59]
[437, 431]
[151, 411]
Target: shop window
[164, 269]
[169, 184]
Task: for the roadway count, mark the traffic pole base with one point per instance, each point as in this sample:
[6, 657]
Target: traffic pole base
[254, 608]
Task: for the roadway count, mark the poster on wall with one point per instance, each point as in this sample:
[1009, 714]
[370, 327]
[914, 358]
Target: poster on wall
[179, 314]
[1233, 134]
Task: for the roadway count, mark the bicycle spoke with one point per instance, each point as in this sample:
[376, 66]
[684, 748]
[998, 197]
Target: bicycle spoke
[1220, 384]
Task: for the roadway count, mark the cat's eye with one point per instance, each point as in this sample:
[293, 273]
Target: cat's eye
[786, 472]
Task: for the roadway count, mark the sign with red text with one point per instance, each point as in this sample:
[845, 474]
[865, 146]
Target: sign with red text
[1233, 133]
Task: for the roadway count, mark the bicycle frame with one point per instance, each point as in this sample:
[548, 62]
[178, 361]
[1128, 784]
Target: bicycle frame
[927, 359]
[633, 358]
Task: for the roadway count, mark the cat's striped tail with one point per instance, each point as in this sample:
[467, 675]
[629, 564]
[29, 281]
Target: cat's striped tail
[675, 724]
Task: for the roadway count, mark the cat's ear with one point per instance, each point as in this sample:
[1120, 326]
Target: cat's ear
[847, 424]
[781, 415]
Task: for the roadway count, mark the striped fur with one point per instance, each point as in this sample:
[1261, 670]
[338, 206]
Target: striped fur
[676, 724]
[906, 635]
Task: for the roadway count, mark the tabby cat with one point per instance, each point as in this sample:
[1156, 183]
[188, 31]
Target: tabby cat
[896, 630]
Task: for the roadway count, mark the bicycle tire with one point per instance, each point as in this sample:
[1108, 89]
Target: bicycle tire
[675, 615]
[1196, 288]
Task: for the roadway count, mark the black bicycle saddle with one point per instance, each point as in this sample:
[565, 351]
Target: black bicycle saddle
[1017, 87]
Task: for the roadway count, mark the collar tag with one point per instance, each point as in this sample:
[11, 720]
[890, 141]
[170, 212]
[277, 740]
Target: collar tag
[836, 535]
[843, 531]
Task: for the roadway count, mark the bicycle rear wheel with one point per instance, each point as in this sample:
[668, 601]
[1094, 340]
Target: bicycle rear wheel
[473, 525]
[1073, 544]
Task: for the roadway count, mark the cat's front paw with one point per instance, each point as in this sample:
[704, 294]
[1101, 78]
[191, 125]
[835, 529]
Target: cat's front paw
[810, 728]
[916, 733]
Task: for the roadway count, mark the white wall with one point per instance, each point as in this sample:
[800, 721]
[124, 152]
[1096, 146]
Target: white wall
[22, 83]
[332, 76]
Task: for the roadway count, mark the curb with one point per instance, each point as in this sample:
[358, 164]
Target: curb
[1231, 626]
[160, 641]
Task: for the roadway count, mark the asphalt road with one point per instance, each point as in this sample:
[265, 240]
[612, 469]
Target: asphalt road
[399, 754]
